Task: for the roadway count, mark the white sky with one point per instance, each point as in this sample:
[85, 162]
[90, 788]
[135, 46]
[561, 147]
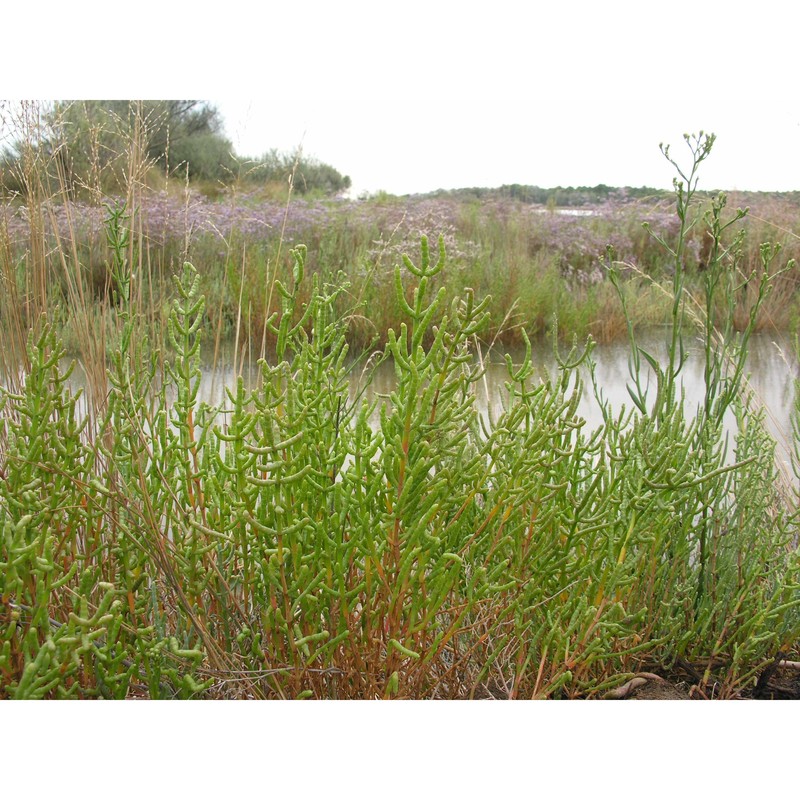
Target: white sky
[415, 96]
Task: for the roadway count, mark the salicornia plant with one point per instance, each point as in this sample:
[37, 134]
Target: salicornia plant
[303, 539]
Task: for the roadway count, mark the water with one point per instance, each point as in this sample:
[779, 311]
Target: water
[771, 372]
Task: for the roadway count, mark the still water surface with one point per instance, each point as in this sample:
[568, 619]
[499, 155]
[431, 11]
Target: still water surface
[771, 370]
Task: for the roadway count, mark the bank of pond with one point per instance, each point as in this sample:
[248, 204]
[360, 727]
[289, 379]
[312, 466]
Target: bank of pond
[394, 526]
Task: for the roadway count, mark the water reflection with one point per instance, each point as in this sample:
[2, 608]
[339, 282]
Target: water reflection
[771, 374]
[770, 368]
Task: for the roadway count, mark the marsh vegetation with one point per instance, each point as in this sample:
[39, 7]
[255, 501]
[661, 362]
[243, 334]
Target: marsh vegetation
[304, 540]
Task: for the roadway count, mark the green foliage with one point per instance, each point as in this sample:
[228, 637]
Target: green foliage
[92, 147]
[90, 143]
[308, 176]
[302, 541]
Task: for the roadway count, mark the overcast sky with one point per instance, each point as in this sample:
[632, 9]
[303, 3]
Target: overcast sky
[415, 96]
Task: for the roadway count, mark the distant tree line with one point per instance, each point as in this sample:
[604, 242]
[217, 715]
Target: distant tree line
[307, 174]
[558, 196]
[93, 145]
[573, 197]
